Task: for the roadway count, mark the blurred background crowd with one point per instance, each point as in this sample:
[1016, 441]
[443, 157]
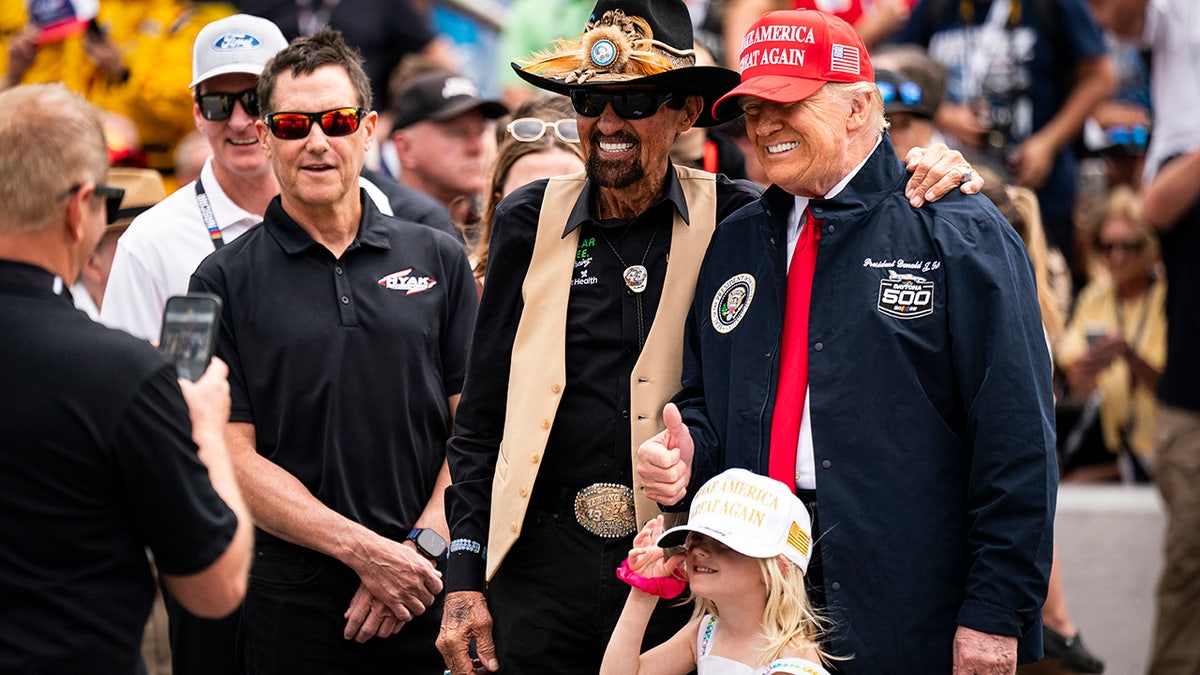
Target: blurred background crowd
[1051, 103]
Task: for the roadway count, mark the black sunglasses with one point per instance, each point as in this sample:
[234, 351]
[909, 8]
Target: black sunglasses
[218, 107]
[112, 197]
[291, 126]
[628, 105]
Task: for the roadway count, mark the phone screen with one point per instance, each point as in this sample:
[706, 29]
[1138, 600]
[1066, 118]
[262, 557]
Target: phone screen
[189, 333]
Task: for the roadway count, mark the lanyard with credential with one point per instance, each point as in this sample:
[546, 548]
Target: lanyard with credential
[206, 212]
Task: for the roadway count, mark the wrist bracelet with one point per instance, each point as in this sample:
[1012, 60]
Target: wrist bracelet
[664, 587]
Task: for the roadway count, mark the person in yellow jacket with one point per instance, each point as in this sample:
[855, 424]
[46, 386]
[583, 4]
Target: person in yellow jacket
[1116, 343]
[133, 61]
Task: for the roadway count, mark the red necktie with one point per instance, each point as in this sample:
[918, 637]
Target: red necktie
[793, 360]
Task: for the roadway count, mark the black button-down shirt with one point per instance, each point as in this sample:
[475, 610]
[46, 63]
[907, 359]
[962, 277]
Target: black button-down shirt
[589, 441]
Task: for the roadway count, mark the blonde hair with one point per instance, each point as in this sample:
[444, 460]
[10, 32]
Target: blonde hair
[1034, 236]
[789, 620]
[51, 139]
[1123, 202]
[1019, 205]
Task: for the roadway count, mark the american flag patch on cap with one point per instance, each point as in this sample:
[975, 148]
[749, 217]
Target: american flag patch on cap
[845, 60]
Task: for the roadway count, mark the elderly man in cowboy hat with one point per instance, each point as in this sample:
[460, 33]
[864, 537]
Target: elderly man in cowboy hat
[577, 347]
[909, 401]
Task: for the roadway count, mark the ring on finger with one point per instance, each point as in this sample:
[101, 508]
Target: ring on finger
[966, 173]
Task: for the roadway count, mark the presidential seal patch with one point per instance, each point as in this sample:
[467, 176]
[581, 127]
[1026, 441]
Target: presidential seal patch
[731, 302]
[905, 296]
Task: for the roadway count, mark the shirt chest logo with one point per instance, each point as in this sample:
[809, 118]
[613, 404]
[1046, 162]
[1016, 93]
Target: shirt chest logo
[905, 296]
[731, 302]
[403, 281]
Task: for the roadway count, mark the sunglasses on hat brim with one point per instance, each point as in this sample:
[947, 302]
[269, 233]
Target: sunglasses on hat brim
[628, 105]
[218, 106]
[291, 126]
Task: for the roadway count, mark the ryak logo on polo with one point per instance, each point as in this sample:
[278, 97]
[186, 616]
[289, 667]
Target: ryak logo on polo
[905, 296]
[401, 281]
[730, 303]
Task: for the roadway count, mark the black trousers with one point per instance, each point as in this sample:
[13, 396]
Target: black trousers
[200, 646]
[556, 599]
[292, 621]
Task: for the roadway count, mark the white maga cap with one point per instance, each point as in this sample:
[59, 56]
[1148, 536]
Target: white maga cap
[236, 44]
[754, 515]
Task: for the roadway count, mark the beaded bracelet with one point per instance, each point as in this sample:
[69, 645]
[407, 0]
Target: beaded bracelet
[663, 587]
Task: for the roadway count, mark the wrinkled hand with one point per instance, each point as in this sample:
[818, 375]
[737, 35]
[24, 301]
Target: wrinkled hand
[367, 617]
[1032, 162]
[208, 401]
[664, 462]
[977, 653]
[400, 578]
[936, 171]
[646, 557]
[22, 49]
[466, 617]
[960, 120]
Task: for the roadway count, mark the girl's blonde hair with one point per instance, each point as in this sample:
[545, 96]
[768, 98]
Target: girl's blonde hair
[789, 619]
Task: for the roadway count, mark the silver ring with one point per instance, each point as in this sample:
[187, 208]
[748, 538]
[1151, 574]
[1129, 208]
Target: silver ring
[966, 173]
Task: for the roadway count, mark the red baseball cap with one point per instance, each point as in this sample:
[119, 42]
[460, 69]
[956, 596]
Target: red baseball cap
[788, 55]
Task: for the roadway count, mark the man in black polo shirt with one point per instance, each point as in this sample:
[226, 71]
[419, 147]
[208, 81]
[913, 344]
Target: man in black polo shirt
[98, 461]
[578, 347]
[346, 333]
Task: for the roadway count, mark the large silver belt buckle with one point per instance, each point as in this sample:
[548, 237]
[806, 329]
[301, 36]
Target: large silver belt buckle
[606, 510]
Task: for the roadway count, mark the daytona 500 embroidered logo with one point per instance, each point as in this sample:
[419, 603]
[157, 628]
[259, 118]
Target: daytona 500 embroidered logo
[905, 296]
[401, 281]
[731, 302]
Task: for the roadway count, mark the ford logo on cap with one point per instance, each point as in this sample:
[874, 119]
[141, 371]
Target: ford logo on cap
[234, 41]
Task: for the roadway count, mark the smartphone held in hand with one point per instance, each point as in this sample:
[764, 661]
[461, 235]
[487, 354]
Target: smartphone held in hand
[189, 332]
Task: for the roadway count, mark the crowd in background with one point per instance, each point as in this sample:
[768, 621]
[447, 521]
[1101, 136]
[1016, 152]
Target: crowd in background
[1056, 112]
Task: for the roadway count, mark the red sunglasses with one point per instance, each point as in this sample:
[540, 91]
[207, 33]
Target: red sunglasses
[291, 126]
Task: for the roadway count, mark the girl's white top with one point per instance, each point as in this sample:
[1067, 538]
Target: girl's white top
[709, 664]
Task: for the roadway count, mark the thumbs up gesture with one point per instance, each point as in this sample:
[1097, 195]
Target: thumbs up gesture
[664, 462]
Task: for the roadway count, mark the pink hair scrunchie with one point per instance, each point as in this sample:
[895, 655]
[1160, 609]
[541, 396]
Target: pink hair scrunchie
[664, 587]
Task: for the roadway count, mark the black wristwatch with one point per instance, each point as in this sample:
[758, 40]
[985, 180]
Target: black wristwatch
[429, 543]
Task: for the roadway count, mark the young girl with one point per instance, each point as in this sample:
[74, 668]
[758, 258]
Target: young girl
[747, 547]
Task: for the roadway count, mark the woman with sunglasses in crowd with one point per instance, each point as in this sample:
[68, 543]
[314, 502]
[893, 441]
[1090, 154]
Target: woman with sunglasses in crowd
[1115, 344]
[539, 140]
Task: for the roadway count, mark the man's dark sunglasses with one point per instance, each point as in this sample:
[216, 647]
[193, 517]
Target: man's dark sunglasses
[112, 197]
[291, 126]
[218, 107]
[628, 105]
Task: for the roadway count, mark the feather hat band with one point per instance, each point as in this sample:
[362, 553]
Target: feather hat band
[636, 42]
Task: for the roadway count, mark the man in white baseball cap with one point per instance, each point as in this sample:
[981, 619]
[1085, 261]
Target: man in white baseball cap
[162, 247]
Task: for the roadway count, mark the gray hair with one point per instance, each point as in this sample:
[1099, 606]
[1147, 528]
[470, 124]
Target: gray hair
[51, 139]
[848, 91]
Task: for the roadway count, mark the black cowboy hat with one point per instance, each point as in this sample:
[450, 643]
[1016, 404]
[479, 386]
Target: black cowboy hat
[647, 42]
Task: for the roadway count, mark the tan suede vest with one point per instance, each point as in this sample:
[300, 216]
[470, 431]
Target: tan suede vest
[538, 372]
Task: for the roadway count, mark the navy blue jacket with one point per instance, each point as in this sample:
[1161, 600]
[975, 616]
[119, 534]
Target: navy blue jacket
[931, 404]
